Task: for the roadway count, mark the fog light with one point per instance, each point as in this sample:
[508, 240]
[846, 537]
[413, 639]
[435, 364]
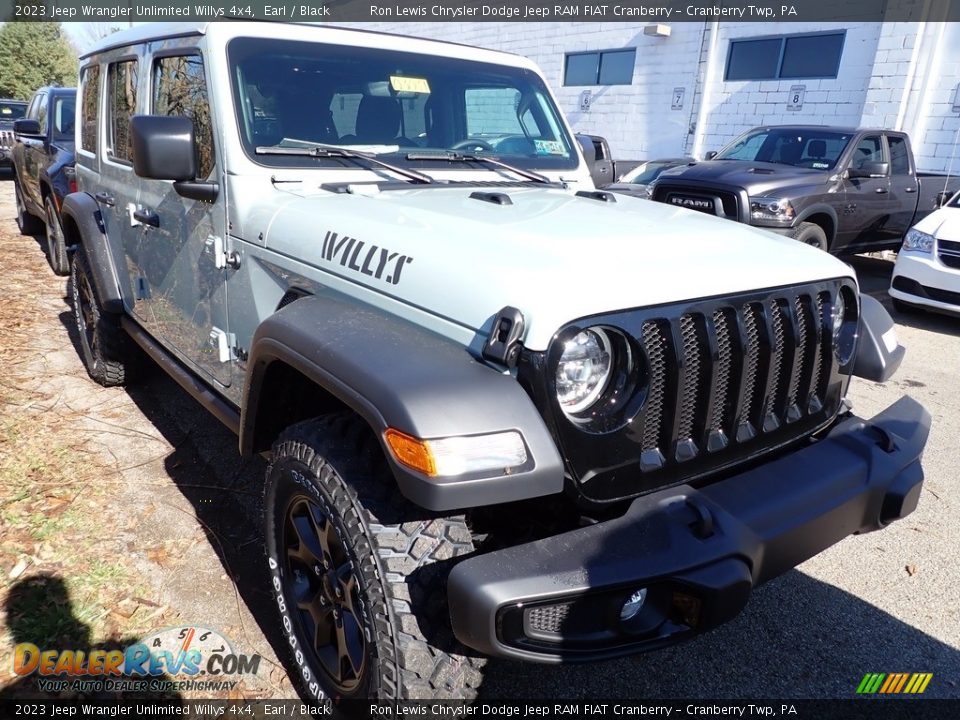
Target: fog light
[633, 604]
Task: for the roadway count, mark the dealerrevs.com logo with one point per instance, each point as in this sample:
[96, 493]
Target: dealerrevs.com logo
[894, 683]
[173, 659]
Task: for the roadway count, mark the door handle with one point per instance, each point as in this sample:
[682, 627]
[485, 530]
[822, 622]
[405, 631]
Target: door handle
[910, 190]
[147, 217]
[102, 197]
[881, 191]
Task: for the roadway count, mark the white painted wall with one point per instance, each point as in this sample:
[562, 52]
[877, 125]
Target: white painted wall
[897, 75]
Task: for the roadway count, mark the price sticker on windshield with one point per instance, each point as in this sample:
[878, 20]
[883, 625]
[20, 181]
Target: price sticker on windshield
[404, 83]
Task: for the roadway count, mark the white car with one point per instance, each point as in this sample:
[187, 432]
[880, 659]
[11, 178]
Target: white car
[927, 273]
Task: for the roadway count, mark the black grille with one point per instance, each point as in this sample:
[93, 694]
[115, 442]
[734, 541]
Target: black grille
[6, 138]
[724, 380]
[949, 252]
[784, 374]
[703, 199]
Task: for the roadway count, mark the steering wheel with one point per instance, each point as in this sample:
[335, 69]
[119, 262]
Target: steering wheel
[472, 145]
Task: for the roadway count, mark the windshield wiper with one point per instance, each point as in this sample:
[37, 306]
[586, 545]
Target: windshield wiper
[335, 151]
[451, 156]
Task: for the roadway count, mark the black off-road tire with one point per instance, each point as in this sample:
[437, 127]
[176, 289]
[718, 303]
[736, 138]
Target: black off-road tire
[56, 245]
[397, 554]
[110, 356]
[810, 234]
[27, 223]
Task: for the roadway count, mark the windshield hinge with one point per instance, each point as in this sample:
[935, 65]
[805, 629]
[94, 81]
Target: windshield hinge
[503, 346]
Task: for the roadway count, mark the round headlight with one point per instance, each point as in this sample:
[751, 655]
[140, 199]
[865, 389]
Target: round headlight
[843, 323]
[583, 370]
[837, 315]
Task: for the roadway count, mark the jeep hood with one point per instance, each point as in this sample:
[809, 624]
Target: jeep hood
[755, 177]
[555, 256]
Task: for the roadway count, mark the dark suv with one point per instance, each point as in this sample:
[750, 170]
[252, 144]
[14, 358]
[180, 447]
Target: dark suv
[10, 110]
[43, 160]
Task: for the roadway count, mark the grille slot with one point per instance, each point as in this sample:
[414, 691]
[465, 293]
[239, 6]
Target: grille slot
[548, 619]
[734, 373]
[949, 253]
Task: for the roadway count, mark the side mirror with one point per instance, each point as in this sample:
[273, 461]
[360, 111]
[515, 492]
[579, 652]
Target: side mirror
[870, 170]
[164, 148]
[27, 128]
[711, 154]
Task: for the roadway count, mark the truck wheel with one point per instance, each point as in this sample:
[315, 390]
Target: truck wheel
[56, 246]
[810, 234]
[28, 224]
[359, 574]
[108, 352]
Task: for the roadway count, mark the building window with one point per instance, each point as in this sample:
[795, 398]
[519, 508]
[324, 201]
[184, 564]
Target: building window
[787, 57]
[607, 67]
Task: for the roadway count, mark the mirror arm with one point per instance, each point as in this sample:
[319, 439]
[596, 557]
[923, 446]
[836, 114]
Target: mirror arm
[194, 190]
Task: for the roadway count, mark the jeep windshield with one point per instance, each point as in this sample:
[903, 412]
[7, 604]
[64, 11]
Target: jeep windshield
[799, 147]
[410, 110]
[12, 110]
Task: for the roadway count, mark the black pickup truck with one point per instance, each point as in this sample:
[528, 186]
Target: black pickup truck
[43, 160]
[844, 190]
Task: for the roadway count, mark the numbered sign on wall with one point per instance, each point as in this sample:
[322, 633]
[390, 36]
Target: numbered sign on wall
[585, 101]
[795, 101]
[678, 98]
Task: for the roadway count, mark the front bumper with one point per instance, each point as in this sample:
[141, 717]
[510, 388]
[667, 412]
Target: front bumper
[921, 279]
[698, 552]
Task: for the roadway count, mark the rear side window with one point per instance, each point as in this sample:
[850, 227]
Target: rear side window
[899, 157]
[122, 96]
[180, 88]
[90, 103]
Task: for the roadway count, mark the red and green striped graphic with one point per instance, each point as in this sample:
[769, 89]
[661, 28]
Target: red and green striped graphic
[894, 683]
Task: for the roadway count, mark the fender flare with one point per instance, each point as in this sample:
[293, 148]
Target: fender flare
[84, 212]
[396, 374]
[820, 209]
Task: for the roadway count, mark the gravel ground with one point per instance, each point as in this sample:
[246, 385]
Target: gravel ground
[883, 602]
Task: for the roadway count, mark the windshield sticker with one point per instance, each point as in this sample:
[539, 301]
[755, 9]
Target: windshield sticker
[356, 255]
[402, 83]
[6, 111]
[821, 166]
[548, 147]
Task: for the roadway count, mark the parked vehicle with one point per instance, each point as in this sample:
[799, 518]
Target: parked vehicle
[840, 189]
[43, 159]
[506, 414]
[927, 273]
[637, 182]
[10, 110]
[603, 168]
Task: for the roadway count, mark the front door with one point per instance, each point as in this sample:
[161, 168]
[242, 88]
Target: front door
[867, 206]
[182, 240]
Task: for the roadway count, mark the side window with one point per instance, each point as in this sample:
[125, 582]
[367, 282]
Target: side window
[180, 88]
[122, 99]
[869, 149]
[42, 112]
[32, 110]
[90, 104]
[899, 157]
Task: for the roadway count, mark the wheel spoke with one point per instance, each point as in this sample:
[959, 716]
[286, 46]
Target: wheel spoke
[350, 635]
[308, 549]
